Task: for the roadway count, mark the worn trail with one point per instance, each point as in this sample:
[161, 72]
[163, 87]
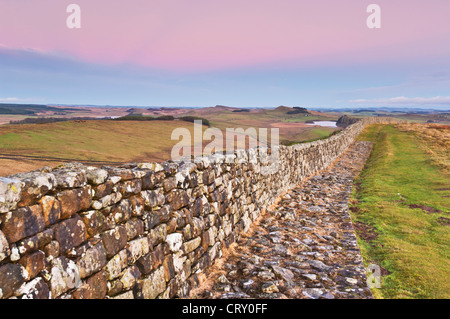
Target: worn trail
[304, 247]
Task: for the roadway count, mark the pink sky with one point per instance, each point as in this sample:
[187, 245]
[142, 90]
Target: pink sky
[218, 34]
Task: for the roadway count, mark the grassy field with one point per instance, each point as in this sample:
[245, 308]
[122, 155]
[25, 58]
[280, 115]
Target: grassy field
[109, 141]
[400, 209]
[133, 141]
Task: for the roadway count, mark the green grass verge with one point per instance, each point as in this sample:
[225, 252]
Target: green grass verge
[411, 244]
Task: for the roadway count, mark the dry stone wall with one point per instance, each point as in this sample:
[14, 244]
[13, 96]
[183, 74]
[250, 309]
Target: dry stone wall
[142, 230]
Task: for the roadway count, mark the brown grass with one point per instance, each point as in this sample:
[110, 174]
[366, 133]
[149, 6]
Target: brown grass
[435, 141]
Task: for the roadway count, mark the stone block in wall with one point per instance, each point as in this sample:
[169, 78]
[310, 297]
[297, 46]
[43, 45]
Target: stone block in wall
[4, 247]
[22, 223]
[138, 205]
[130, 277]
[116, 264]
[103, 190]
[33, 264]
[124, 174]
[93, 260]
[153, 198]
[95, 222]
[136, 249]
[157, 235]
[149, 180]
[134, 228]
[75, 177]
[74, 200]
[114, 240]
[52, 249]
[51, 209]
[35, 289]
[159, 178]
[178, 198]
[12, 276]
[154, 284]
[35, 185]
[174, 241]
[208, 176]
[96, 176]
[70, 233]
[106, 201]
[94, 287]
[10, 193]
[164, 213]
[129, 188]
[64, 275]
[122, 211]
[169, 269]
[145, 264]
[191, 245]
[169, 184]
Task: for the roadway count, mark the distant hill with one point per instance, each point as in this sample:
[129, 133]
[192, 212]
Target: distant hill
[29, 109]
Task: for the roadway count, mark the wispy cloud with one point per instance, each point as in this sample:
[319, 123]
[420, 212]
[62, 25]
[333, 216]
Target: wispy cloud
[17, 100]
[403, 100]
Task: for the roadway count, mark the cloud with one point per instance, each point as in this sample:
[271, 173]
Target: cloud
[16, 100]
[403, 100]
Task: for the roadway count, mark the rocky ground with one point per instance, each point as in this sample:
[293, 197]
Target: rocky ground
[303, 247]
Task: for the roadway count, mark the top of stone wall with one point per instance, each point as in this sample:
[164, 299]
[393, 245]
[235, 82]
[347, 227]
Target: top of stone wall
[28, 187]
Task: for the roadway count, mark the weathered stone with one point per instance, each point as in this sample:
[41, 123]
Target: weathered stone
[283, 273]
[208, 176]
[70, 233]
[116, 264]
[35, 289]
[138, 205]
[169, 270]
[145, 264]
[269, 287]
[136, 249]
[95, 287]
[33, 264]
[128, 188]
[35, 242]
[96, 176]
[22, 223]
[317, 264]
[73, 201]
[178, 198]
[51, 209]
[103, 190]
[169, 184]
[35, 185]
[65, 275]
[52, 249]
[134, 227]
[114, 240]
[157, 235]
[191, 245]
[4, 247]
[149, 180]
[10, 190]
[107, 200]
[92, 261]
[130, 277]
[153, 198]
[122, 211]
[174, 240]
[125, 295]
[266, 275]
[94, 221]
[157, 256]
[12, 276]
[154, 284]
